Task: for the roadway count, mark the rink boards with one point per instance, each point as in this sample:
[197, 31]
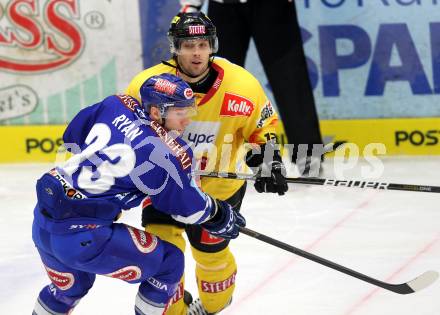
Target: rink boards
[415, 136]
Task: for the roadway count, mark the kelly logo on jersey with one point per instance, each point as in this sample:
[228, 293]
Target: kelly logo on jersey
[236, 105]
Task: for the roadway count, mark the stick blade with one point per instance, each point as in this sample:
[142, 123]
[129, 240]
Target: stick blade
[423, 281]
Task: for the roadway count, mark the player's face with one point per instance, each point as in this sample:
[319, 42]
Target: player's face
[177, 119]
[193, 56]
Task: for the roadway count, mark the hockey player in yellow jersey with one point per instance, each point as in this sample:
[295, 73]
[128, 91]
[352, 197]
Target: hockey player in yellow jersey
[233, 110]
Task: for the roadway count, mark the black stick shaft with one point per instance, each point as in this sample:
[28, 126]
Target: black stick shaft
[336, 182]
[397, 288]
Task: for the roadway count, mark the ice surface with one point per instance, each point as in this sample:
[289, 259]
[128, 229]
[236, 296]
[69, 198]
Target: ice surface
[393, 236]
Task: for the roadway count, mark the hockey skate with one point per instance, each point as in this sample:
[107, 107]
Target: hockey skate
[195, 307]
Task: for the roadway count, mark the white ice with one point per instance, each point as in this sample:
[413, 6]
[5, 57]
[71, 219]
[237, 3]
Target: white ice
[392, 236]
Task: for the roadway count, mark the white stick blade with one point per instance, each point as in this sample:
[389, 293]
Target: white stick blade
[423, 281]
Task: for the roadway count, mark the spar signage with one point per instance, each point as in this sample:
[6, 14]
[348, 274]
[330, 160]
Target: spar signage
[369, 59]
[373, 58]
[37, 38]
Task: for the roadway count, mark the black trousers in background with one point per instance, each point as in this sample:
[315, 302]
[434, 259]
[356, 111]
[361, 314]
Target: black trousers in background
[273, 25]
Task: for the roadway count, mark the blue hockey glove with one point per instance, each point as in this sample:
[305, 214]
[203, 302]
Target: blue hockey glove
[226, 222]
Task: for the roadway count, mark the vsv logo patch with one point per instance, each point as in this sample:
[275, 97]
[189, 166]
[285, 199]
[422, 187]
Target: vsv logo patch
[236, 105]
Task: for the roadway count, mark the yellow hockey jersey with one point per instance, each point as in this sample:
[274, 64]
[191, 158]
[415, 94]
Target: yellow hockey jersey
[235, 111]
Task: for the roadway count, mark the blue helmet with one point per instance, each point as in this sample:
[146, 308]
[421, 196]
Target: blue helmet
[164, 91]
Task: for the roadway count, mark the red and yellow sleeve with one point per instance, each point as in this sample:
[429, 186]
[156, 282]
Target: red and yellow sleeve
[262, 124]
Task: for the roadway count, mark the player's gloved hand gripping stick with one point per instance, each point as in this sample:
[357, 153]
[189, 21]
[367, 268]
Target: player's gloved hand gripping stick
[332, 182]
[226, 222]
[270, 170]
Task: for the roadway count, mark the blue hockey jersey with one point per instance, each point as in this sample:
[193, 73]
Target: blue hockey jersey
[121, 156]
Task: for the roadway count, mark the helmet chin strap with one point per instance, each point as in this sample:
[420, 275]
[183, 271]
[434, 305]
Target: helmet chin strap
[169, 131]
[162, 122]
[179, 68]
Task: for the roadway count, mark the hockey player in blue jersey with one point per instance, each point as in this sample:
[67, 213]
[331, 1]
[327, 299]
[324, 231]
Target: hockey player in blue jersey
[122, 152]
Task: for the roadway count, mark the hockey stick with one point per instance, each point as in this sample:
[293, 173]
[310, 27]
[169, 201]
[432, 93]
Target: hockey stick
[332, 182]
[415, 285]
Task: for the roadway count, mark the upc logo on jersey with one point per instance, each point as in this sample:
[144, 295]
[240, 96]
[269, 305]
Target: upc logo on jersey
[62, 280]
[165, 86]
[144, 241]
[129, 273]
[201, 133]
[48, 31]
[236, 105]
[197, 29]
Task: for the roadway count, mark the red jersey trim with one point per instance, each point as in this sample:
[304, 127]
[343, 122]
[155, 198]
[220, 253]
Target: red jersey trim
[128, 101]
[215, 86]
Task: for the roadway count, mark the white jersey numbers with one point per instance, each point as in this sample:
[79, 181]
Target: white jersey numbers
[98, 176]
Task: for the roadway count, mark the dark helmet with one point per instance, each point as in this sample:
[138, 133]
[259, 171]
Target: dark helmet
[167, 90]
[194, 25]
